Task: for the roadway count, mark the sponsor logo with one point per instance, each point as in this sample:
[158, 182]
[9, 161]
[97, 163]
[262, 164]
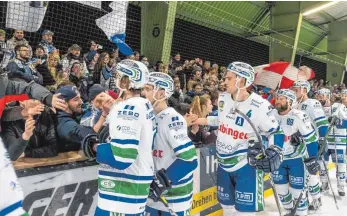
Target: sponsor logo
[296, 180]
[126, 130]
[304, 107]
[128, 113]
[83, 194]
[244, 197]
[181, 137]
[176, 126]
[255, 103]
[232, 132]
[107, 184]
[158, 153]
[150, 115]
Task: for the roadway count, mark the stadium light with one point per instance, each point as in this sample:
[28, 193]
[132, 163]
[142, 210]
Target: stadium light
[319, 8]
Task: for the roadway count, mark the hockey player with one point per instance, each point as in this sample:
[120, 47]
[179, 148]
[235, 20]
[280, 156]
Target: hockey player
[300, 140]
[344, 102]
[126, 164]
[314, 110]
[174, 154]
[240, 185]
[336, 147]
[323, 96]
[10, 188]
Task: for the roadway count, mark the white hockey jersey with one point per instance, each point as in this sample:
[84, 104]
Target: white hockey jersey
[314, 110]
[174, 151]
[339, 110]
[126, 163]
[294, 121]
[234, 130]
[11, 191]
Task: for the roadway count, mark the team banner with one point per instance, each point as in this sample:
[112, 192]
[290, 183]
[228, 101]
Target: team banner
[25, 15]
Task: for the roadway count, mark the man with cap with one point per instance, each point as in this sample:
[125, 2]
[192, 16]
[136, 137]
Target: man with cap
[47, 41]
[70, 132]
[74, 54]
[96, 96]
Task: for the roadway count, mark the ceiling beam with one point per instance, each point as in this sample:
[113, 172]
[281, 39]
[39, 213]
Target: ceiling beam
[258, 19]
[317, 42]
[256, 34]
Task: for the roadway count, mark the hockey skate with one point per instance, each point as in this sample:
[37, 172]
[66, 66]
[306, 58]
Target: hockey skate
[315, 204]
[341, 190]
[324, 187]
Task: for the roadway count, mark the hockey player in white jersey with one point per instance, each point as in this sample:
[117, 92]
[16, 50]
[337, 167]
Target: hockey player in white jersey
[336, 146]
[240, 185]
[174, 154]
[323, 96]
[126, 164]
[11, 192]
[299, 152]
[344, 102]
[314, 110]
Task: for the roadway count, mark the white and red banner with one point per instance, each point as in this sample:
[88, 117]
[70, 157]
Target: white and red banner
[281, 74]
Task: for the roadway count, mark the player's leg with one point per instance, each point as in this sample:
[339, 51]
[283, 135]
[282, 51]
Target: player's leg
[281, 178]
[323, 172]
[341, 171]
[226, 191]
[297, 179]
[101, 212]
[154, 212]
[249, 190]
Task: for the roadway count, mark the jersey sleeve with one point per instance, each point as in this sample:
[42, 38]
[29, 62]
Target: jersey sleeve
[269, 126]
[317, 114]
[10, 187]
[125, 130]
[308, 133]
[177, 137]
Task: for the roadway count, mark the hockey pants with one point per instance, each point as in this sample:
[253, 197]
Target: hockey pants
[291, 171]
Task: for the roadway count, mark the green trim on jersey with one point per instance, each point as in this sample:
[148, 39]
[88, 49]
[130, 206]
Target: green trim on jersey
[123, 187]
[322, 122]
[128, 153]
[188, 155]
[180, 191]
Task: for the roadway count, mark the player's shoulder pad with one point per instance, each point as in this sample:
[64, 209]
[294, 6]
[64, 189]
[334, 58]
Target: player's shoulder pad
[170, 115]
[261, 104]
[300, 115]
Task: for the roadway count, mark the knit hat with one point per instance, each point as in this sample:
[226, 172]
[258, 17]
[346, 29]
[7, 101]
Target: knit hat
[94, 91]
[47, 32]
[67, 92]
[2, 32]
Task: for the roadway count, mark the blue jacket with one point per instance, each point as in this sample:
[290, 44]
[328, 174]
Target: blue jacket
[70, 132]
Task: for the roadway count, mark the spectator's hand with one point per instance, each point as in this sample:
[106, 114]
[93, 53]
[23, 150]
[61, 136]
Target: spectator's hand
[38, 109]
[28, 106]
[37, 62]
[29, 128]
[190, 118]
[106, 106]
[58, 103]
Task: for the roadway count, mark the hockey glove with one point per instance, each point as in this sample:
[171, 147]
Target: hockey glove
[312, 165]
[296, 139]
[271, 161]
[160, 185]
[254, 151]
[88, 144]
[333, 120]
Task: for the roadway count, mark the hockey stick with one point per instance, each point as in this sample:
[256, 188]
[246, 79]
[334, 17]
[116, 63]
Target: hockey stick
[164, 201]
[263, 155]
[322, 148]
[329, 182]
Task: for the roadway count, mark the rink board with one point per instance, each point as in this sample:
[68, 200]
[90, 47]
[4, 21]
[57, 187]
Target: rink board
[71, 189]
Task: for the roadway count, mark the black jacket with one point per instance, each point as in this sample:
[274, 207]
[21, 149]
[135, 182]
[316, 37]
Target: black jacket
[42, 143]
[33, 90]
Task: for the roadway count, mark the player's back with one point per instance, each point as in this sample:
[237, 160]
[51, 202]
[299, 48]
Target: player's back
[338, 133]
[234, 130]
[124, 182]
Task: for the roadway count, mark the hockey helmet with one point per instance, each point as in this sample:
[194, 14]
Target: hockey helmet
[325, 92]
[344, 91]
[136, 71]
[161, 81]
[243, 70]
[289, 94]
[302, 84]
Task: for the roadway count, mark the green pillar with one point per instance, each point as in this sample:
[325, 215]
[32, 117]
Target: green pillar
[337, 47]
[286, 20]
[158, 20]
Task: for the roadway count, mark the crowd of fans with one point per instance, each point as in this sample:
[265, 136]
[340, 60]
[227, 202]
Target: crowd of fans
[87, 83]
